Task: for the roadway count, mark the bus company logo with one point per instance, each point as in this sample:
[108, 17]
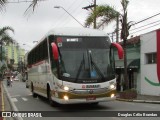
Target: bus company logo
[90, 86]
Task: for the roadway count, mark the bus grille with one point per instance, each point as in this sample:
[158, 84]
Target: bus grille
[90, 91]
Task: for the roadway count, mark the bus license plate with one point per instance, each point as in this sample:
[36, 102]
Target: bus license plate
[91, 98]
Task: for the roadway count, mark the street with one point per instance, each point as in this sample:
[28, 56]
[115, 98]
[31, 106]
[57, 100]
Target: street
[23, 100]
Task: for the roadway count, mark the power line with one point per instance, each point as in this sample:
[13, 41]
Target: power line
[145, 25]
[142, 20]
[146, 28]
[142, 27]
[74, 10]
[22, 1]
[139, 30]
[147, 18]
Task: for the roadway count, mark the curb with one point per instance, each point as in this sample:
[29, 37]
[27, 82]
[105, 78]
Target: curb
[1, 99]
[138, 101]
[13, 106]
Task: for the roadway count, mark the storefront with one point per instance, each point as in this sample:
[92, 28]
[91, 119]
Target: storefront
[133, 65]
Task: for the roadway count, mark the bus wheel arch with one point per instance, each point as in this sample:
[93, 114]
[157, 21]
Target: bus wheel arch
[32, 90]
[49, 97]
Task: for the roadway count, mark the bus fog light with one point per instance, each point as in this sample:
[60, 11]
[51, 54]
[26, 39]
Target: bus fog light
[65, 97]
[66, 88]
[112, 95]
[112, 86]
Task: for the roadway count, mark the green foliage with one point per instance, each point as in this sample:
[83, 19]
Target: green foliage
[5, 38]
[105, 13]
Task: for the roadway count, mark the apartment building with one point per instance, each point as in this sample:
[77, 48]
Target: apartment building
[14, 54]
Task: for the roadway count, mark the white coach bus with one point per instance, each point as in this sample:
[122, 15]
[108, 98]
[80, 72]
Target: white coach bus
[73, 65]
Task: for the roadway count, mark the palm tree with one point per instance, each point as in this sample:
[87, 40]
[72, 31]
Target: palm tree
[124, 34]
[4, 37]
[104, 13]
[32, 5]
[2, 2]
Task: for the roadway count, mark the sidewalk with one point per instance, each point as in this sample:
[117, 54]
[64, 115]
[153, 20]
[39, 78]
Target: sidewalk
[143, 99]
[1, 103]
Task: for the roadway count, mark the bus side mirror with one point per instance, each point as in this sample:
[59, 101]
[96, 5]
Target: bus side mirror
[55, 51]
[119, 48]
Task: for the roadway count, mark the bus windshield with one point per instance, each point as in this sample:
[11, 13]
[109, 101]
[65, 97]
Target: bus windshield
[85, 59]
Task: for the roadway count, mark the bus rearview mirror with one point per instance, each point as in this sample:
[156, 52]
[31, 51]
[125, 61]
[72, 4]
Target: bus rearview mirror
[55, 51]
[119, 48]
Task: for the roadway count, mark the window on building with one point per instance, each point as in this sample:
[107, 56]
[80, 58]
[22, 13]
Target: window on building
[151, 58]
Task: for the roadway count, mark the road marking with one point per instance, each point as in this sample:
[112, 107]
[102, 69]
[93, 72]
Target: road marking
[15, 96]
[25, 99]
[30, 94]
[14, 99]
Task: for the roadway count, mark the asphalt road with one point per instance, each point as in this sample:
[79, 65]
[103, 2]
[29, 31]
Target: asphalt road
[23, 100]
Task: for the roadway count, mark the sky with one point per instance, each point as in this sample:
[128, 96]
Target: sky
[32, 26]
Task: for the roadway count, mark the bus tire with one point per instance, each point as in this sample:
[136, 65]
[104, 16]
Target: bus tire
[32, 90]
[51, 102]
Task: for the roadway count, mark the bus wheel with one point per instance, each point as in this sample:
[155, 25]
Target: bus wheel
[51, 102]
[32, 90]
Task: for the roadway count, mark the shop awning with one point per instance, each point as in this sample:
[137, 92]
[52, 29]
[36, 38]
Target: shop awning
[134, 64]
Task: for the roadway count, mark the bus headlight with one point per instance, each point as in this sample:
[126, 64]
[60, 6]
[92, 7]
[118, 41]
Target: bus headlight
[112, 95]
[112, 86]
[66, 97]
[66, 88]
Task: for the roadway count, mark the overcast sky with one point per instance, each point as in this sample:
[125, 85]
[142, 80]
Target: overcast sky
[33, 26]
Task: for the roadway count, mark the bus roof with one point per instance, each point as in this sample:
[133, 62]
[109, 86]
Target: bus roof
[71, 31]
[76, 32]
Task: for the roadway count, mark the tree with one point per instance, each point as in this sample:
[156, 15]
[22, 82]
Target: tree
[104, 13]
[2, 3]
[124, 34]
[4, 38]
[32, 5]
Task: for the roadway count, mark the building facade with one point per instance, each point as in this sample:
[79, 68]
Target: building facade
[133, 64]
[14, 54]
[150, 63]
[143, 60]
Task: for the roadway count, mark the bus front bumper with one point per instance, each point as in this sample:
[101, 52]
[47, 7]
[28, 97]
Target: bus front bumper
[84, 100]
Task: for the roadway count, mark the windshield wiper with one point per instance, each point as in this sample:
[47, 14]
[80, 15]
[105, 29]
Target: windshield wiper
[96, 68]
[80, 68]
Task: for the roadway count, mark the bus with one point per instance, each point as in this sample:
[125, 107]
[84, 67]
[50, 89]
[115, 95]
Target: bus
[73, 65]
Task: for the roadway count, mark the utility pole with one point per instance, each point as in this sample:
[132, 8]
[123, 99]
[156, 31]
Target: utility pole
[95, 15]
[94, 11]
[117, 28]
